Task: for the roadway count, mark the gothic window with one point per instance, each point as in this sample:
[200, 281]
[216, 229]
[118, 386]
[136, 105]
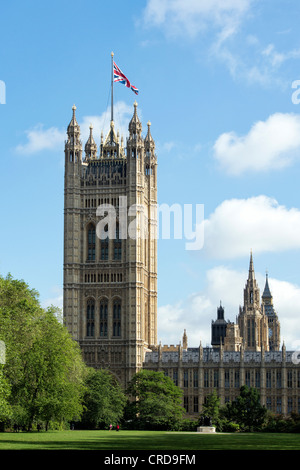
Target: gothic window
[91, 242]
[278, 379]
[185, 379]
[216, 378]
[206, 382]
[175, 377]
[278, 406]
[226, 379]
[117, 244]
[268, 379]
[104, 246]
[257, 379]
[103, 318]
[186, 403]
[195, 379]
[90, 317]
[117, 318]
[247, 378]
[196, 405]
[290, 379]
[237, 379]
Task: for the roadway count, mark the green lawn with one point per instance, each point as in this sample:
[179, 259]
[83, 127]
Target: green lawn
[146, 440]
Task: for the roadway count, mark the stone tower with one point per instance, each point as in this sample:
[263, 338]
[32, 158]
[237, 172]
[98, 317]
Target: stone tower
[110, 247]
[252, 322]
[273, 322]
[218, 328]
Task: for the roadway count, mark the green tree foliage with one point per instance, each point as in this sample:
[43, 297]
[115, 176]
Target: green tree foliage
[104, 400]
[156, 401]
[211, 408]
[246, 410]
[5, 408]
[43, 365]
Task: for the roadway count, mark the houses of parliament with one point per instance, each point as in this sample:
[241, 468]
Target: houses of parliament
[110, 284]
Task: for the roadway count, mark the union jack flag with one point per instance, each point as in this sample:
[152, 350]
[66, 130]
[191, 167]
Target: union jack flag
[120, 77]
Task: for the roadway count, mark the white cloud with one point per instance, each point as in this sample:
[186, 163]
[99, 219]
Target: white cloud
[221, 22]
[270, 144]
[227, 285]
[276, 58]
[190, 17]
[259, 223]
[40, 139]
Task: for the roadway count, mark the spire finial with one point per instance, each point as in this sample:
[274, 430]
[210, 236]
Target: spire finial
[251, 268]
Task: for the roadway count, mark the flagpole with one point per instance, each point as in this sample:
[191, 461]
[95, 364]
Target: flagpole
[112, 86]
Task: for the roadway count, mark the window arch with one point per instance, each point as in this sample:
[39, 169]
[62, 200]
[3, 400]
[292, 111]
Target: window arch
[91, 242]
[103, 317]
[117, 317]
[90, 317]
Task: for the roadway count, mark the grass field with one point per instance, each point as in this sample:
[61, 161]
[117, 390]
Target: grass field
[146, 440]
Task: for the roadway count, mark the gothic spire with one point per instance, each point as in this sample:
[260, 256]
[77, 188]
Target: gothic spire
[251, 291]
[267, 293]
[251, 275]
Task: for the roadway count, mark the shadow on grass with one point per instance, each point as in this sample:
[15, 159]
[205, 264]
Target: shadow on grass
[157, 441]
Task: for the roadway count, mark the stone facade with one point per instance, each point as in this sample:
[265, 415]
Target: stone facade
[110, 278]
[200, 371]
[110, 284]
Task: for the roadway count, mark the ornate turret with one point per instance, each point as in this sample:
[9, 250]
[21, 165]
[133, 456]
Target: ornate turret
[149, 142]
[73, 128]
[111, 147]
[135, 126]
[90, 146]
[73, 146]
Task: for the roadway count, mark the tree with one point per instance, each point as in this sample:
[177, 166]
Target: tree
[211, 408]
[246, 410]
[43, 364]
[104, 400]
[5, 408]
[156, 401]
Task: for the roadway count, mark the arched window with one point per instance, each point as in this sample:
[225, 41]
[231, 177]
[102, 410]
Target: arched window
[91, 241]
[117, 244]
[90, 317]
[104, 246]
[117, 318]
[103, 318]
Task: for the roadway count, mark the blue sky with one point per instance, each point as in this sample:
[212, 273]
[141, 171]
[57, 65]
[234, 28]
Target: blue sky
[216, 81]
